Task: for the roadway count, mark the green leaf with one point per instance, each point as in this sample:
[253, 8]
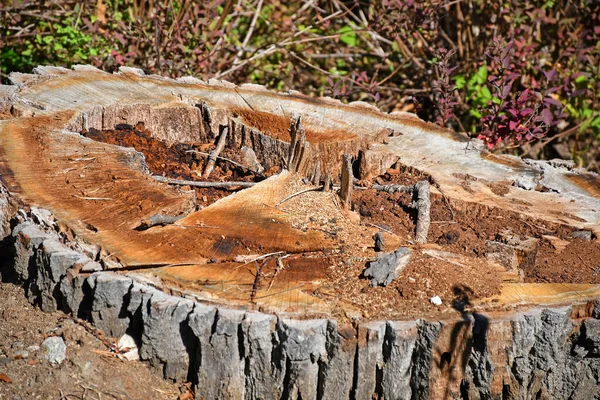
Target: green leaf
[482, 75]
[485, 96]
[460, 81]
[347, 35]
[475, 113]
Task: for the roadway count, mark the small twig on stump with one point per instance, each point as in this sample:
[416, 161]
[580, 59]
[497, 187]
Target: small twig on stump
[212, 158]
[158, 219]
[347, 181]
[312, 189]
[221, 185]
[224, 159]
[257, 278]
[280, 266]
[423, 206]
[421, 202]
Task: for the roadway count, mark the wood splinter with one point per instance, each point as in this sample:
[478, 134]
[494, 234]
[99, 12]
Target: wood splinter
[299, 151]
[212, 158]
[421, 202]
[347, 182]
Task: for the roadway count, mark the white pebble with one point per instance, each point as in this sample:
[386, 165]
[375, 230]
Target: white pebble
[436, 300]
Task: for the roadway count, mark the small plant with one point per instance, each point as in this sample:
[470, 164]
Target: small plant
[443, 86]
[517, 117]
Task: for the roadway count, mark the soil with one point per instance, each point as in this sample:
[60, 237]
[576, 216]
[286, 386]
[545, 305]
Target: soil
[88, 372]
[462, 229]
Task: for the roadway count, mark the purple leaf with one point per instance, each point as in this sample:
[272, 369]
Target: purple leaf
[526, 112]
[524, 96]
[552, 101]
[547, 116]
[550, 75]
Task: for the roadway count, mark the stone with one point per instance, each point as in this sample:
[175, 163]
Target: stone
[388, 266]
[436, 301]
[56, 350]
[128, 347]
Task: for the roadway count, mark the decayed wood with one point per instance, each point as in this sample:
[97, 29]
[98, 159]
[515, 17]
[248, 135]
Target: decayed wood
[212, 159]
[347, 182]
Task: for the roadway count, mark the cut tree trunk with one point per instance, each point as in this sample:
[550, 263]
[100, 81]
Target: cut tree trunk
[236, 296]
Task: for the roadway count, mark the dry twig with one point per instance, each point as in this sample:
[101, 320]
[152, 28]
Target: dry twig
[421, 202]
[212, 158]
[222, 185]
[312, 189]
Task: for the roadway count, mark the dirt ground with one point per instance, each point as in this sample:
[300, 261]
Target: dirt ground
[86, 373]
[461, 229]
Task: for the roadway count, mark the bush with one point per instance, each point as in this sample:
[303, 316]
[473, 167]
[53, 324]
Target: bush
[522, 76]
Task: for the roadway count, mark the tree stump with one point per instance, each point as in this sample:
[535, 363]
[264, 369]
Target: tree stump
[258, 294]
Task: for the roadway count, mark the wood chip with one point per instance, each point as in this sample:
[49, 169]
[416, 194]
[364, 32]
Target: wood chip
[5, 378]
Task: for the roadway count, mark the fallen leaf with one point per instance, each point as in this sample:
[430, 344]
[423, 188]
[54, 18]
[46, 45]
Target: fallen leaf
[33, 361]
[5, 378]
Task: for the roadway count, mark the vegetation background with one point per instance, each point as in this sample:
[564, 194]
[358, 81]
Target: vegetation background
[524, 76]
